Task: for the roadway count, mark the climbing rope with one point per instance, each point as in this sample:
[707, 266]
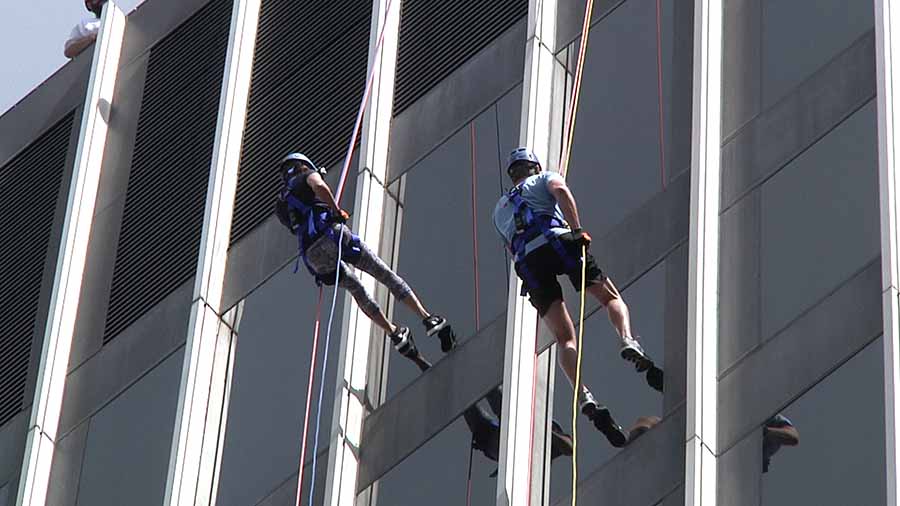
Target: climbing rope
[309, 391]
[566, 154]
[469, 479]
[578, 378]
[340, 191]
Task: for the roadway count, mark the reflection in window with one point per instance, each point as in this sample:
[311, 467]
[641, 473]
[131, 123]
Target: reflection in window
[839, 426]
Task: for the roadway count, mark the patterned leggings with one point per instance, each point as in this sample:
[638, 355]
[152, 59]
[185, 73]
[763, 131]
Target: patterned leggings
[322, 256]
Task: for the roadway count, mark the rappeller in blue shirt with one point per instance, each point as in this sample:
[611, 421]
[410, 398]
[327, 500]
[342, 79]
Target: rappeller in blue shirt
[538, 221]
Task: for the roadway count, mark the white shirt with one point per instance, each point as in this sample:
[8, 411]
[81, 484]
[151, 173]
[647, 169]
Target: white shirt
[87, 26]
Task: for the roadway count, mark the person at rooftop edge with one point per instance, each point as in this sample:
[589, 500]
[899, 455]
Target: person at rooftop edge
[85, 32]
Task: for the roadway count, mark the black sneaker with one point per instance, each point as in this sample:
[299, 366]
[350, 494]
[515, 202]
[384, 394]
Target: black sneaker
[655, 378]
[603, 421]
[561, 443]
[403, 342]
[439, 325]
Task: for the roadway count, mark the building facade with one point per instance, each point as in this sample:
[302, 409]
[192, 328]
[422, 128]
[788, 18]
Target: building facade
[732, 159]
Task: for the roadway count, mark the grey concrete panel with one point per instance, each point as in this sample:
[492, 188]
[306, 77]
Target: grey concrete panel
[800, 355]
[457, 100]
[820, 219]
[440, 396]
[741, 64]
[615, 164]
[643, 473]
[437, 473]
[150, 22]
[268, 387]
[5, 493]
[675, 347]
[740, 471]
[829, 26]
[644, 238]
[286, 493]
[805, 115]
[44, 106]
[269, 247]
[65, 474]
[676, 498]
[509, 116]
[570, 17]
[12, 447]
[828, 470]
[101, 254]
[121, 134]
[680, 77]
[127, 451]
[127, 358]
[739, 280]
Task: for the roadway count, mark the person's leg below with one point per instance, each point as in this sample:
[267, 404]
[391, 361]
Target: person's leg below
[560, 323]
[364, 300]
[607, 294]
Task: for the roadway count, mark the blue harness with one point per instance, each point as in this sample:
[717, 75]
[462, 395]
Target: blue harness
[317, 220]
[530, 226]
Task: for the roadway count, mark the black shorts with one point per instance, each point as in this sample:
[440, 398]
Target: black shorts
[544, 265]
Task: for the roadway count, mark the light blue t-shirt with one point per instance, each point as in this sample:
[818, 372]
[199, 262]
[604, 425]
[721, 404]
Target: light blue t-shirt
[536, 193]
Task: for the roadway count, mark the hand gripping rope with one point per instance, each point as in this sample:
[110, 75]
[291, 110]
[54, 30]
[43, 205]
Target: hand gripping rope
[340, 191]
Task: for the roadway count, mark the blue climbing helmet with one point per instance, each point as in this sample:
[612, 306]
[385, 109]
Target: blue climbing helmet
[288, 167]
[522, 162]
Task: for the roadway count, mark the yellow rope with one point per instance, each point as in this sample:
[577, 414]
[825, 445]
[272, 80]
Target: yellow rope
[563, 169]
[578, 379]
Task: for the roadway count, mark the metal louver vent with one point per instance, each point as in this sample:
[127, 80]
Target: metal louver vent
[29, 187]
[437, 36]
[309, 74]
[166, 195]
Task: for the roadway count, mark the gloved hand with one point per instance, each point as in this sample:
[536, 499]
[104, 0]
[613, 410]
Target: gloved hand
[341, 216]
[581, 237]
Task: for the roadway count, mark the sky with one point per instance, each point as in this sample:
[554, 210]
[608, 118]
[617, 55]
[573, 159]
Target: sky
[28, 60]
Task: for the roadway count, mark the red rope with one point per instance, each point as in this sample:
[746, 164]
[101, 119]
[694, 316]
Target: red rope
[659, 74]
[475, 229]
[362, 108]
[576, 90]
[309, 392]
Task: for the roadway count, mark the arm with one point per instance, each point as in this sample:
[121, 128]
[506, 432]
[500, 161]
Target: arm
[75, 46]
[322, 191]
[560, 191]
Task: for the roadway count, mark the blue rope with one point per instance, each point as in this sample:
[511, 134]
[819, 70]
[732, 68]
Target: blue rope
[315, 455]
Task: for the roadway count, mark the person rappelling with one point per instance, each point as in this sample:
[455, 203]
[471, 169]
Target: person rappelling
[539, 223]
[307, 207]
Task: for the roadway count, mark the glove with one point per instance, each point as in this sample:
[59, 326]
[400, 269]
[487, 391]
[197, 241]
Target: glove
[581, 237]
[341, 217]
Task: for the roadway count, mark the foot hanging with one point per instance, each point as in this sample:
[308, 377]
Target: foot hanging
[403, 342]
[439, 325]
[632, 351]
[603, 421]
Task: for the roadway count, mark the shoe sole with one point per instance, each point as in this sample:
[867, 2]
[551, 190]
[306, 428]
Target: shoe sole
[640, 361]
[448, 339]
[604, 422]
[655, 378]
[437, 328]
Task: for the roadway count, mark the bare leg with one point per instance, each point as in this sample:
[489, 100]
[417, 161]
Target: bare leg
[560, 323]
[412, 301]
[607, 294]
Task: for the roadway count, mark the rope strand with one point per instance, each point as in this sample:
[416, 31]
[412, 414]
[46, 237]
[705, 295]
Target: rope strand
[309, 391]
[578, 388]
[659, 83]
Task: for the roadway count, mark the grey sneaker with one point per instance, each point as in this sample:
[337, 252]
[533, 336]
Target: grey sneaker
[439, 325]
[632, 351]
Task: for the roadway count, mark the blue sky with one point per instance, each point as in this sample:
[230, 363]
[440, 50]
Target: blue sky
[32, 42]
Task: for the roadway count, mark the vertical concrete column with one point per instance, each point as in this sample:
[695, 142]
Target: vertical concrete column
[523, 435]
[703, 251]
[203, 393]
[361, 341]
[887, 33]
[60, 328]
